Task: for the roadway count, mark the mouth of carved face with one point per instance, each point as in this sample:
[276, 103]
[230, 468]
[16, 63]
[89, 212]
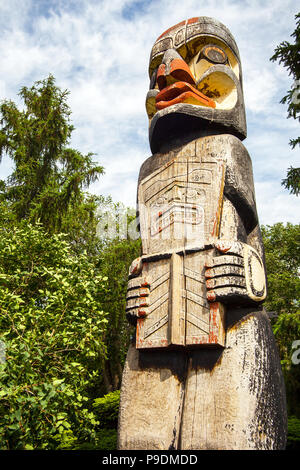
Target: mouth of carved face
[216, 89]
[181, 92]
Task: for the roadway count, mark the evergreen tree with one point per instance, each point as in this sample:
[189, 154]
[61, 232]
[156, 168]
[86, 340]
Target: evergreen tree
[49, 177]
[289, 55]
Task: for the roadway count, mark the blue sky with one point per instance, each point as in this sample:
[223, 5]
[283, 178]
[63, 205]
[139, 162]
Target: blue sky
[99, 50]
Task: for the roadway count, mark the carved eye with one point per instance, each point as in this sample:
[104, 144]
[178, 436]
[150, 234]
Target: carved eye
[213, 54]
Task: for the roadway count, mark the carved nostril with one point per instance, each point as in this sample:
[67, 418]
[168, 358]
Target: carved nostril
[181, 71]
[173, 68]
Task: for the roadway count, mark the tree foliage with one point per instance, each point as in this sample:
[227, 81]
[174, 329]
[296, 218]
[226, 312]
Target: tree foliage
[115, 261]
[289, 55]
[119, 244]
[108, 408]
[293, 433]
[52, 326]
[52, 321]
[292, 180]
[49, 177]
[282, 248]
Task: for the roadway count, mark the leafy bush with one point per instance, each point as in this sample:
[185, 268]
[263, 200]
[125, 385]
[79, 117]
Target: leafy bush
[115, 260]
[106, 439]
[282, 248]
[293, 440]
[107, 409]
[52, 326]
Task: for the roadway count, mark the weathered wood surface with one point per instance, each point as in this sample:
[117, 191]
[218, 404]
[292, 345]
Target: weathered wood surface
[239, 403]
[208, 184]
[151, 401]
[230, 399]
[204, 372]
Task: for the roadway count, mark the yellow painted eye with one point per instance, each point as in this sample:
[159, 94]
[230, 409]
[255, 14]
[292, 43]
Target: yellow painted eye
[213, 54]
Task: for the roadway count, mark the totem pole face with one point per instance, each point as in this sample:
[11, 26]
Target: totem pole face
[195, 83]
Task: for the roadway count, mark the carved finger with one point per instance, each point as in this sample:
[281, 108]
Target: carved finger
[138, 293]
[137, 282]
[227, 294]
[136, 302]
[133, 314]
[225, 270]
[134, 283]
[230, 247]
[135, 268]
[224, 281]
[224, 260]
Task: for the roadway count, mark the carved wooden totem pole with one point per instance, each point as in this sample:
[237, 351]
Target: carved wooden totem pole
[203, 371]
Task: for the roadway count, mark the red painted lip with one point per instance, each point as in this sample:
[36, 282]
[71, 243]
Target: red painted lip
[179, 92]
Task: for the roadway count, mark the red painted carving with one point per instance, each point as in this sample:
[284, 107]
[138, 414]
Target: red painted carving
[179, 92]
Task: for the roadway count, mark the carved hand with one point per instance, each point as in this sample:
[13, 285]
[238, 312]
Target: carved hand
[237, 275]
[137, 292]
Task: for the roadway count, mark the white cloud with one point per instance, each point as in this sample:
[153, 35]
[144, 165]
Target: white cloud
[275, 205]
[99, 50]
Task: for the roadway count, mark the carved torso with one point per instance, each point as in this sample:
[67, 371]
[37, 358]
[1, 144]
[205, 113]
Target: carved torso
[184, 211]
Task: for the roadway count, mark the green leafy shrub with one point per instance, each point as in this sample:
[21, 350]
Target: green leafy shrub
[107, 409]
[293, 440]
[106, 439]
[282, 248]
[52, 326]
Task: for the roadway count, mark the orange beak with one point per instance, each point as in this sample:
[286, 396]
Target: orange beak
[183, 90]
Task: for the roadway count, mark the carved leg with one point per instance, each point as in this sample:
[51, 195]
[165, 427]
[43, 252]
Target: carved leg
[239, 402]
[151, 400]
